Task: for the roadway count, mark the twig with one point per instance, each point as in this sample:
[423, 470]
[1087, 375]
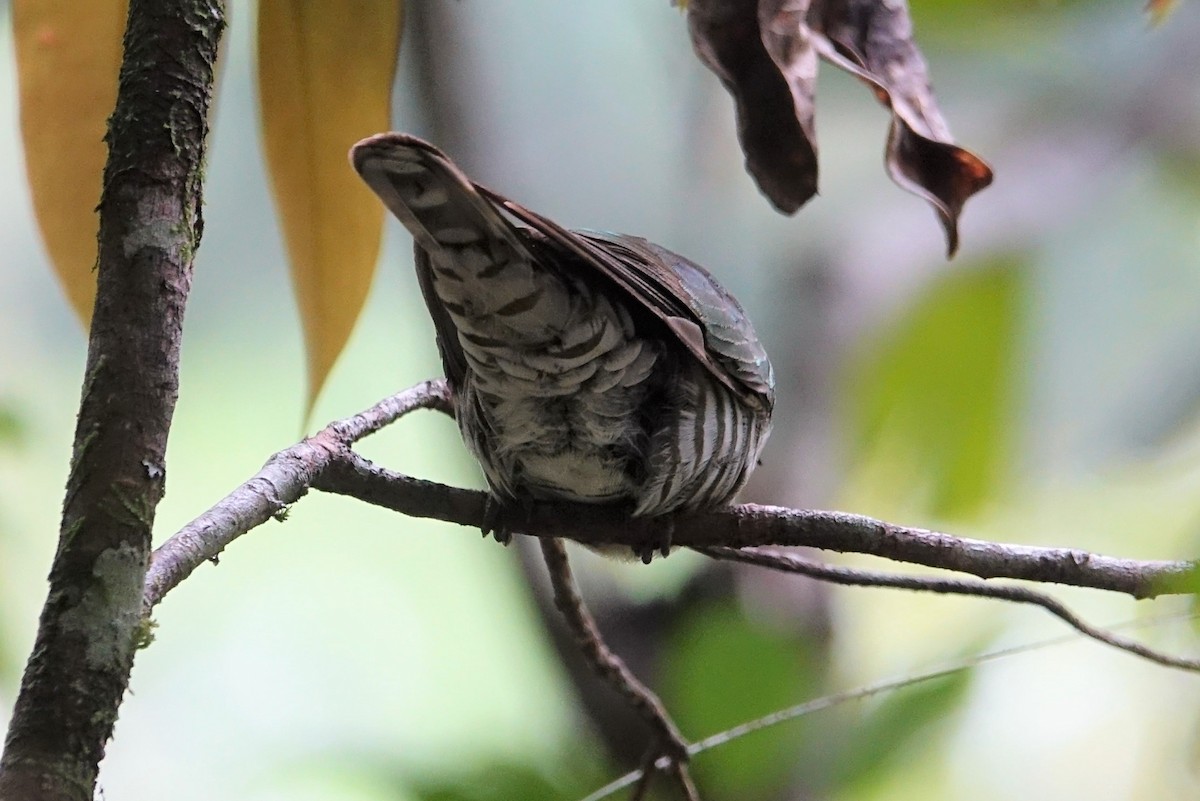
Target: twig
[282, 481]
[608, 666]
[792, 563]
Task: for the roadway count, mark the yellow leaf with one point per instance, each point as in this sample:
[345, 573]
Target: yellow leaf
[68, 59]
[325, 72]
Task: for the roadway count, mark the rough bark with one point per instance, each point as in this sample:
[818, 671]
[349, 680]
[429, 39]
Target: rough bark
[150, 226]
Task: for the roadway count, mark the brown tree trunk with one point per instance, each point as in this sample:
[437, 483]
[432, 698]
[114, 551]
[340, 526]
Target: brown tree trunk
[150, 226]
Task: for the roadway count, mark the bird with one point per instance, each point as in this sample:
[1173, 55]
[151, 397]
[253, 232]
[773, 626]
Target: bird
[584, 366]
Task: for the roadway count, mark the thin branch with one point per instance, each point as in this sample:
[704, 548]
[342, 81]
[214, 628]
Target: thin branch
[857, 694]
[752, 525]
[669, 740]
[792, 563]
[432, 394]
[282, 481]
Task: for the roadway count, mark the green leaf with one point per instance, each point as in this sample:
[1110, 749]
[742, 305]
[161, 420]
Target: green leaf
[932, 398]
[723, 670]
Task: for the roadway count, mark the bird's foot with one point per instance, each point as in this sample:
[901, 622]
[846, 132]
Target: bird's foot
[502, 517]
[659, 533]
[495, 521]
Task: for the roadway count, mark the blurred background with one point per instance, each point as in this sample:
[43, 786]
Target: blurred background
[1043, 388]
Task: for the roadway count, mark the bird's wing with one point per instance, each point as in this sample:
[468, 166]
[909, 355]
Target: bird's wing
[700, 313]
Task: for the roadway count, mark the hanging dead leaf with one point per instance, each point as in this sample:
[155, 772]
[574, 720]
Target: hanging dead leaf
[772, 91]
[765, 53]
[63, 122]
[325, 73]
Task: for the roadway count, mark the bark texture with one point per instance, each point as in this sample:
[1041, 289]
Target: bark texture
[150, 226]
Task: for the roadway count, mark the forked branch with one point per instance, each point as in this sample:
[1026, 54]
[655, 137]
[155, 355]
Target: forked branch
[327, 462]
[668, 742]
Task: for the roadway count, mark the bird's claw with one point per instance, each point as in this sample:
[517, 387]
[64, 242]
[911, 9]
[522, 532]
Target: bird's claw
[662, 531]
[494, 522]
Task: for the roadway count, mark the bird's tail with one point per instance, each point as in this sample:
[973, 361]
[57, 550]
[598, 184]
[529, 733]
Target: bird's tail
[483, 272]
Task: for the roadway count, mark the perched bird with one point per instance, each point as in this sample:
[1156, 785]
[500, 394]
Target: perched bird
[587, 367]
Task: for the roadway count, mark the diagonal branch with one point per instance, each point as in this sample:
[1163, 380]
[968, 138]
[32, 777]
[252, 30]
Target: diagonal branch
[282, 481]
[327, 462]
[669, 740]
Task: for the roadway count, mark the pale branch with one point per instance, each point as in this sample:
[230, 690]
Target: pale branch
[793, 563]
[282, 481]
[327, 462]
[667, 741]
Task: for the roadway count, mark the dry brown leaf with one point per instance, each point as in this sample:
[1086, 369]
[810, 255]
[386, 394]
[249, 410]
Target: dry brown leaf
[63, 122]
[325, 73]
[764, 51]
[772, 91]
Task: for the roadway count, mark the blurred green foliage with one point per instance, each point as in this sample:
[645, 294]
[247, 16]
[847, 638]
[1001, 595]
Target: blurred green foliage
[502, 782]
[11, 428]
[725, 669]
[933, 394]
[901, 729]
[12, 439]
